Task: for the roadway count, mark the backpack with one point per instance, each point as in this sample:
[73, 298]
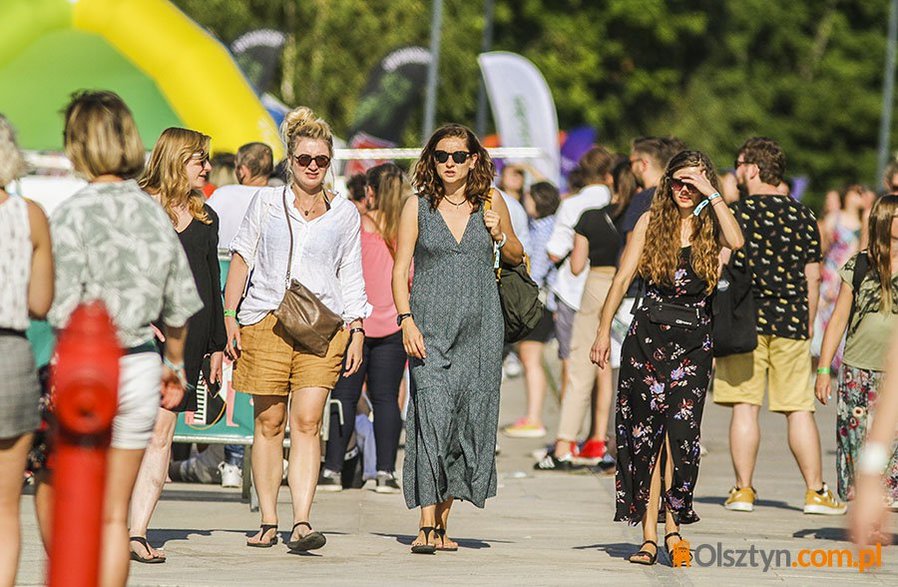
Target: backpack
[735, 323]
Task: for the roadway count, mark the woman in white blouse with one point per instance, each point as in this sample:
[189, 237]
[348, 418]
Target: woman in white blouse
[326, 258]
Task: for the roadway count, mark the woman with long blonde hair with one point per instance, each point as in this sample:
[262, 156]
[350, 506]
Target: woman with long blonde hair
[384, 357]
[175, 175]
[666, 355]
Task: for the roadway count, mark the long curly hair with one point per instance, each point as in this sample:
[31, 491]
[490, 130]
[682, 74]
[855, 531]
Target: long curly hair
[166, 174]
[880, 248]
[659, 261]
[427, 181]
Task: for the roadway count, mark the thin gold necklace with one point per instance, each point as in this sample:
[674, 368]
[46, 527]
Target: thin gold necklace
[462, 203]
[312, 207]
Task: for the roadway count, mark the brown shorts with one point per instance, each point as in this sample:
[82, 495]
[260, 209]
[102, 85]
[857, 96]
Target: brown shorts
[270, 364]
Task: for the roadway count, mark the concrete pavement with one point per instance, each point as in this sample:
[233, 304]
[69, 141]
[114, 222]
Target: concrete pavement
[542, 529]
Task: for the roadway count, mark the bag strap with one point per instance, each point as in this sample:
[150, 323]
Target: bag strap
[487, 206]
[861, 265]
[289, 228]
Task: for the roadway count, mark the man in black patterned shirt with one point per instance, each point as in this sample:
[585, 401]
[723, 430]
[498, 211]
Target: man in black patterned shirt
[782, 249]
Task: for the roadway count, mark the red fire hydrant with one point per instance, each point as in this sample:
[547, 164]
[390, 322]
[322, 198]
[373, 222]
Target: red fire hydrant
[85, 379]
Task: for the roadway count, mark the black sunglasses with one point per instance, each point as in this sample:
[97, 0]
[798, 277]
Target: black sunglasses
[737, 164]
[677, 185]
[305, 160]
[458, 156]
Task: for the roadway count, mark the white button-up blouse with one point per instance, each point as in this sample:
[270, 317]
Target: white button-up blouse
[327, 255]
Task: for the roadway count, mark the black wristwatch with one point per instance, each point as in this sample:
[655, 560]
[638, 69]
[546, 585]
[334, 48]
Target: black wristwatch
[402, 317]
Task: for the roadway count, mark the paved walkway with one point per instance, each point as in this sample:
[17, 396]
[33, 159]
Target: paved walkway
[542, 529]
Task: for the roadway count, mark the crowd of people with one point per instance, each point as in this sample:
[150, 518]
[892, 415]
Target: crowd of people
[330, 300]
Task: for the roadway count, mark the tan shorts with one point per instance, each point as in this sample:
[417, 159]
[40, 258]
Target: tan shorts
[270, 364]
[782, 365]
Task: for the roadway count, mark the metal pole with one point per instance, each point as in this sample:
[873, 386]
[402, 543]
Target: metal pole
[488, 11]
[888, 92]
[430, 106]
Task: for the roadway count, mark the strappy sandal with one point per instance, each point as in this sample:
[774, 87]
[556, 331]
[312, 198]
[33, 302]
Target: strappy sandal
[427, 547]
[266, 543]
[441, 534]
[147, 560]
[679, 555]
[651, 556]
[311, 541]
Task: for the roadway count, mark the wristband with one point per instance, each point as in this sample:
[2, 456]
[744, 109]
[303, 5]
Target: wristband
[502, 242]
[701, 205]
[874, 458]
[823, 370]
[230, 313]
[172, 366]
[356, 329]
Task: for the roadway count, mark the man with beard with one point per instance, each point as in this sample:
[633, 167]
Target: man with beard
[782, 250]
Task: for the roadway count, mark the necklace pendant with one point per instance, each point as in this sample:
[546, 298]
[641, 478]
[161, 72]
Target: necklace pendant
[307, 212]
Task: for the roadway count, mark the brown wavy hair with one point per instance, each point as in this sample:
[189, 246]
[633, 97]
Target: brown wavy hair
[166, 174]
[880, 248]
[480, 179]
[659, 261]
[391, 190]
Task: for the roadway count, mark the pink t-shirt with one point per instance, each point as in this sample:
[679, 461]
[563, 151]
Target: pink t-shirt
[377, 268]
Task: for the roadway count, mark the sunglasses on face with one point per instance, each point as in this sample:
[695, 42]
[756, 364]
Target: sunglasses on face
[737, 164]
[677, 185]
[201, 157]
[458, 157]
[305, 160]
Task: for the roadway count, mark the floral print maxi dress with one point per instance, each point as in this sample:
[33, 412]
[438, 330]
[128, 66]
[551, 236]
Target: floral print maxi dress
[664, 377]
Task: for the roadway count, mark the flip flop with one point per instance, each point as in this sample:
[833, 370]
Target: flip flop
[441, 534]
[427, 547]
[147, 560]
[269, 543]
[311, 541]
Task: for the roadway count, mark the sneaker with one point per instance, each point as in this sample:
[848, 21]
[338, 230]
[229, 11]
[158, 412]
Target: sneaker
[512, 366]
[329, 481]
[524, 429]
[741, 500]
[823, 503]
[231, 475]
[551, 463]
[591, 452]
[605, 466]
[386, 483]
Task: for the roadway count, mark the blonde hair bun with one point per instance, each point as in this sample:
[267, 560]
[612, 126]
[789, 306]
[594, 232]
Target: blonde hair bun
[302, 122]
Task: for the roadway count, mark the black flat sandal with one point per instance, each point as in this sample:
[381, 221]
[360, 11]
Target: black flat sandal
[680, 560]
[147, 560]
[267, 543]
[441, 534]
[652, 556]
[427, 547]
[311, 541]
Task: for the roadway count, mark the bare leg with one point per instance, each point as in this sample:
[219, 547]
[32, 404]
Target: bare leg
[650, 518]
[13, 452]
[602, 407]
[442, 519]
[306, 411]
[563, 385]
[123, 466]
[531, 353]
[428, 520]
[268, 457]
[43, 506]
[151, 478]
[745, 438]
[804, 440]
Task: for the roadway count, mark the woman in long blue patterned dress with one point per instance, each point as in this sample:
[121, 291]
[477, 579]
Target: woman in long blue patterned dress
[666, 355]
[452, 329]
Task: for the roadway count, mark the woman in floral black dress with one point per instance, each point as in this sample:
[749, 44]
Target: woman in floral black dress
[666, 356]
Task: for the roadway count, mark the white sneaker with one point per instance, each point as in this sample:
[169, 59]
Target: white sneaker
[231, 475]
[512, 366]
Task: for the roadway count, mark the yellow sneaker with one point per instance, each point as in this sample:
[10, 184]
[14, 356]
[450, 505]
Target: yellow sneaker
[826, 504]
[741, 500]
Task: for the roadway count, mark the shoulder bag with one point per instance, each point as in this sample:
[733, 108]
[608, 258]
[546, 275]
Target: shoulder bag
[303, 316]
[518, 294]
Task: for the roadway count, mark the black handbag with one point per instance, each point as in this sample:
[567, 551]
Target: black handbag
[518, 295]
[674, 315]
[735, 328]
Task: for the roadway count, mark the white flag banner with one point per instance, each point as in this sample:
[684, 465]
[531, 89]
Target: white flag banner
[523, 108]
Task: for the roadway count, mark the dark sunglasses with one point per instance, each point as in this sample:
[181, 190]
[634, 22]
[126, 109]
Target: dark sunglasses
[200, 156]
[305, 160]
[458, 156]
[737, 164]
[677, 185]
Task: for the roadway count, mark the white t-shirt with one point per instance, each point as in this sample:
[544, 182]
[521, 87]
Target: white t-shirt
[230, 203]
[518, 219]
[569, 287]
[327, 255]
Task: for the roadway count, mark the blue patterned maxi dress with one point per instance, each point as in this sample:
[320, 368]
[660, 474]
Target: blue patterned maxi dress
[664, 376]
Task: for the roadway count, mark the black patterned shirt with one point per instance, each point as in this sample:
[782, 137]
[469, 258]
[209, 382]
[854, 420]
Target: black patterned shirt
[781, 237]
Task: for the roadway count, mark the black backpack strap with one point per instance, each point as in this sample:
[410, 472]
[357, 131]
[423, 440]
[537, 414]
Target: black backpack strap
[861, 265]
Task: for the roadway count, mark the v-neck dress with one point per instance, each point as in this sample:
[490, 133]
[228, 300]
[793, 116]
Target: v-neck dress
[454, 405]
